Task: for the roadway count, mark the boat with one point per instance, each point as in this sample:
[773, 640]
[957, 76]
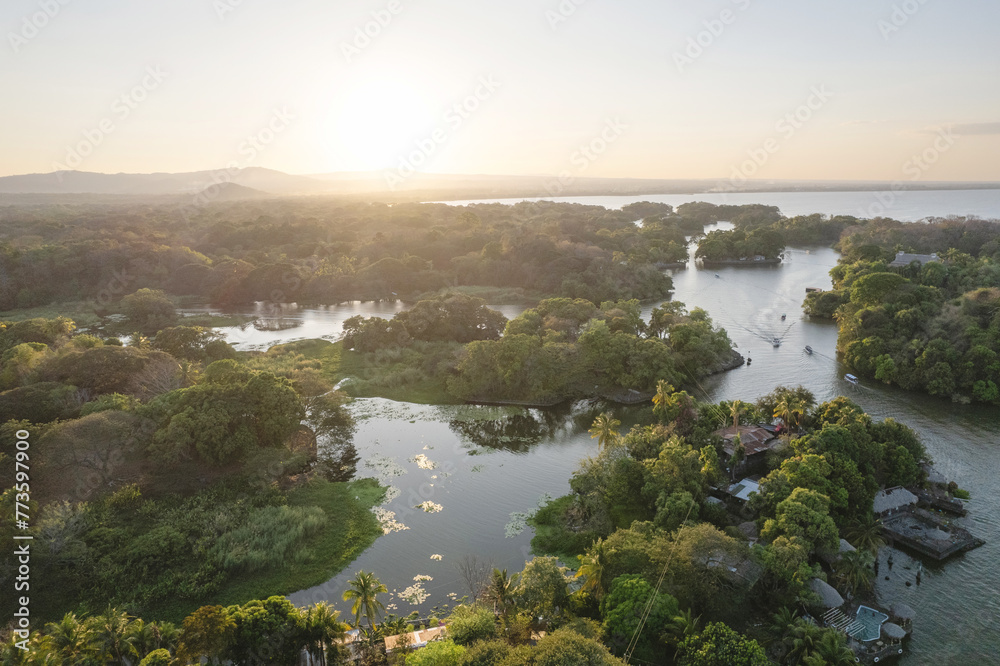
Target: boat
[809, 350]
[776, 342]
[716, 275]
[783, 317]
[851, 379]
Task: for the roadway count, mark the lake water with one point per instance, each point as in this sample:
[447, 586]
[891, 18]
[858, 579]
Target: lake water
[906, 206]
[489, 463]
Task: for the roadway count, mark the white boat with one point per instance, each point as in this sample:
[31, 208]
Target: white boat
[809, 350]
[776, 342]
[851, 379]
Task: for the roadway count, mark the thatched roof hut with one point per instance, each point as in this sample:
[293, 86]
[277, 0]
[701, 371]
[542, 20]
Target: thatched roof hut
[901, 611]
[829, 597]
[893, 631]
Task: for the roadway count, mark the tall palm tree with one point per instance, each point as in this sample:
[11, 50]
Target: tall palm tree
[790, 411]
[364, 591]
[683, 625]
[735, 408]
[782, 622]
[855, 570]
[500, 590]
[71, 639]
[802, 640]
[323, 629]
[832, 649]
[865, 533]
[661, 399]
[591, 569]
[112, 636]
[605, 430]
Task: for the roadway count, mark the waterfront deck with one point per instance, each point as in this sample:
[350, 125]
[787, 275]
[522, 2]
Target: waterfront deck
[928, 534]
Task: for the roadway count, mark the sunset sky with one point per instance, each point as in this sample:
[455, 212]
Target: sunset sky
[110, 86]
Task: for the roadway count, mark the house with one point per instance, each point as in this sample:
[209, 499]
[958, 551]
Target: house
[742, 489]
[756, 441]
[904, 259]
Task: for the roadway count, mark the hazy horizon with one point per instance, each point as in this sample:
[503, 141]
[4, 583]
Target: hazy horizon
[732, 89]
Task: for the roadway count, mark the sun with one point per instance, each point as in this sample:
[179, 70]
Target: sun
[376, 123]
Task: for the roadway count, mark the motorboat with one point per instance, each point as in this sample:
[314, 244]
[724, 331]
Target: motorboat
[809, 350]
[717, 275]
[783, 317]
[851, 379]
[776, 342]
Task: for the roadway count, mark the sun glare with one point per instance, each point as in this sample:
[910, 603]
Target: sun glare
[376, 123]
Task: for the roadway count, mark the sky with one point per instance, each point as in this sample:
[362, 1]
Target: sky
[736, 89]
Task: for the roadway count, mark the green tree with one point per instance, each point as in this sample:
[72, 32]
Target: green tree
[159, 657]
[437, 653]
[111, 635]
[542, 587]
[268, 631]
[854, 570]
[629, 600]
[323, 631]
[470, 624]
[564, 647]
[363, 593]
[148, 310]
[207, 632]
[718, 645]
[591, 569]
[72, 641]
[805, 514]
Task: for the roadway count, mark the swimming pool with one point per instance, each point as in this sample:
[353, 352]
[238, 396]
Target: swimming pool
[867, 626]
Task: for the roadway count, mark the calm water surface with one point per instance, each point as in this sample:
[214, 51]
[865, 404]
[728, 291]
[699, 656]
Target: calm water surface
[490, 463]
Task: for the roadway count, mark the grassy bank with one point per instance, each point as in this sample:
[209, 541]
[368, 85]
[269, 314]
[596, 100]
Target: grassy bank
[351, 528]
[409, 374]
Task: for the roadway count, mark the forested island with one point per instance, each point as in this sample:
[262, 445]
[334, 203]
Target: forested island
[180, 481]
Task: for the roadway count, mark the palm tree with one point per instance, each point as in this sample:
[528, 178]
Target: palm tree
[684, 624]
[831, 650]
[734, 411]
[605, 430]
[591, 568]
[865, 533]
[500, 590]
[781, 623]
[661, 400]
[802, 640]
[71, 639]
[112, 635]
[855, 570]
[323, 629]
[364, 591]
[789, 410]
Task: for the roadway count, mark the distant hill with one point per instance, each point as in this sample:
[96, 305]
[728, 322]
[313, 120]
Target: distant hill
[418, 187]
[83, 182]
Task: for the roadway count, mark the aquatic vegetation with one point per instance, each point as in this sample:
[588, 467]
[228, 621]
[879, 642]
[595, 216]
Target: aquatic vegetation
[415, 594]
[478, 468]
[519, 519]
[387, 520]
[421, 578]
[437, 558]
[423, 462]
[385, 467]
[429, 507]
[391, 493]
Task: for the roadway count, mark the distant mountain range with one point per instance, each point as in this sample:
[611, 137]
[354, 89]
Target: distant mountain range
[257, 182]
